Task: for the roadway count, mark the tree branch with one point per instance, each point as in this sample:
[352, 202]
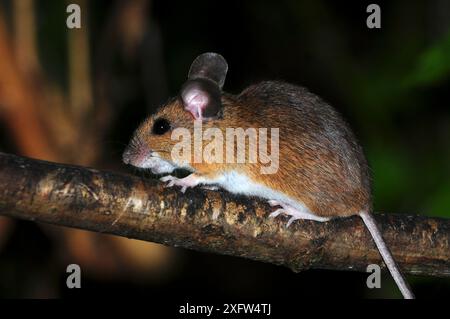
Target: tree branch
[211, 221]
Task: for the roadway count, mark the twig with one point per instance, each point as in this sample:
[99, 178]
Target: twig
[211, 221]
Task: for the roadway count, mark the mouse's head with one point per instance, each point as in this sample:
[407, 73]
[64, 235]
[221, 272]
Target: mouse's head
[200, 100]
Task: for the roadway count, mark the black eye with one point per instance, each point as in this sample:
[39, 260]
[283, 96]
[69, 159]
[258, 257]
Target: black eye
[160, 126]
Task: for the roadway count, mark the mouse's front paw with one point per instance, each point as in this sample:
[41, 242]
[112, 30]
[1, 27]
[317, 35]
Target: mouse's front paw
[184, 183]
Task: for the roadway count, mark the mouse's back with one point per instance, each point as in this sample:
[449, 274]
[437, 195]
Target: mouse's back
[320, 160]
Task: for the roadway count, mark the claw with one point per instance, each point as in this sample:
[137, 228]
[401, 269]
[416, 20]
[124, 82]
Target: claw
[276, 213]
[170, 180]
[290, 221]
[273, 203]
[167, 178]
[210, 187]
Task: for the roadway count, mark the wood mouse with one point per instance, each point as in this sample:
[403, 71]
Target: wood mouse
[322, 171]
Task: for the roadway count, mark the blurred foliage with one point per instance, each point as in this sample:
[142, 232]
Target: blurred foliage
[433, 65]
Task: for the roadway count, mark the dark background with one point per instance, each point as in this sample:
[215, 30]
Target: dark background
[391, 84]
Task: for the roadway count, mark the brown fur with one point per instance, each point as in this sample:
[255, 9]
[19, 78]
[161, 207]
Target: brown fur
[321, 164]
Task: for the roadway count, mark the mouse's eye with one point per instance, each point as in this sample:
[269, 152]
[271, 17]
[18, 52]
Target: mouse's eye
[160, 126]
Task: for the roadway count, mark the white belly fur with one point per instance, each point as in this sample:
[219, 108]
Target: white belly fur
[240, 184]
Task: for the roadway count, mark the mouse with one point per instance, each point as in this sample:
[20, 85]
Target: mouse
[321, 173]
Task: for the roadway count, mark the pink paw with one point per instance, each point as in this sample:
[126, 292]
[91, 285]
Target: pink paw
[282, 211]
[277, 212]
[184, 183]
[273, 202]
[294, 213]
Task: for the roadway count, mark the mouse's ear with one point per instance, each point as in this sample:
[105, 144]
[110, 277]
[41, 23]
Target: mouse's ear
[201, 94]
[210, 66]
[201, 98]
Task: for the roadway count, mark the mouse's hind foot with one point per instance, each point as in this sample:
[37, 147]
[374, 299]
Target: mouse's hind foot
[294, 212]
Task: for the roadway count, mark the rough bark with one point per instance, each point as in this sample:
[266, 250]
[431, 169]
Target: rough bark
[213, 221]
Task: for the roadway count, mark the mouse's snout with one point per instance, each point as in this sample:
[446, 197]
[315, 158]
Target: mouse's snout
[144, 157]
[136, 155]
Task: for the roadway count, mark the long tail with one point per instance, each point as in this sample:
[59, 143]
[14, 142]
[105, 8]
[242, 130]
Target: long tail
[387, 255]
